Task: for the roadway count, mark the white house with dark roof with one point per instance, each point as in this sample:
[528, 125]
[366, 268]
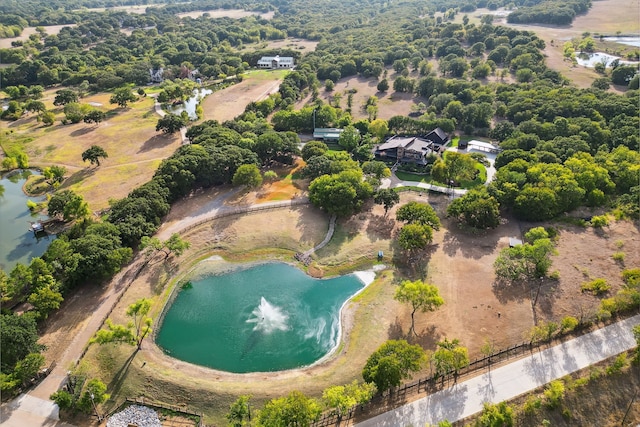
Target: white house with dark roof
[276, 62]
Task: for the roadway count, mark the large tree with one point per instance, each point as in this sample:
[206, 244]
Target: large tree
[392, 362]
[19, 337]
[528, 261]
[247, 175]
[294, 410]
[64, 97]
[123, 96]
[413, 237]
[68, 204]
[341, 194]
[476, 208]
[450, 357]
[94, 154]
[455, 167]
[422, 296]
[170, 123]
[386, 197]
[418, 213]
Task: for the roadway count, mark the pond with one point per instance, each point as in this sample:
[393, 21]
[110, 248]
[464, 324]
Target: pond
[628, 40]
[260, 318]
[191, 104]
[590, 60]
[18, 243]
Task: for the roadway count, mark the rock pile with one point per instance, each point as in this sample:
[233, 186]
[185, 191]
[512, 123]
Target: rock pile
[139, 416]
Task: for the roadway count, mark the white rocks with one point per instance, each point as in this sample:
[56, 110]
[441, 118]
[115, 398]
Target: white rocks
[140, 416]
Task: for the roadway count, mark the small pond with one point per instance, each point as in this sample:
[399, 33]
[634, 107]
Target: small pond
[18, 243]
[594, 58]
[190, 104]
[261, 318]
[628, 40]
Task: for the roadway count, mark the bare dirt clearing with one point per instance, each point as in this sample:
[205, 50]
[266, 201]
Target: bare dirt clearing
[49, 29]
[289, 43]
[230, 102]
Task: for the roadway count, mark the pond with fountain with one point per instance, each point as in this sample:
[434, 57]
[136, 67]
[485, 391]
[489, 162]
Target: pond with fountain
[258, 318]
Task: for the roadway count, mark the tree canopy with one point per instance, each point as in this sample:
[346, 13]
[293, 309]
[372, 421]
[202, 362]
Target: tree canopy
[391, 363]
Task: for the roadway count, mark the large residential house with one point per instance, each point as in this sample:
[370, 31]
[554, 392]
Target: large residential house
[412, 149]
[276, 62]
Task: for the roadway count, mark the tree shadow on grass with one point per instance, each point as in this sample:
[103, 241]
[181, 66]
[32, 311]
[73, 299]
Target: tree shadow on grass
[118, 379]
[395, 331]
[83, 131]
[506, 291]
[470, 246]
[427, 337]
[156, 142]
[77, 177]
[380, 227]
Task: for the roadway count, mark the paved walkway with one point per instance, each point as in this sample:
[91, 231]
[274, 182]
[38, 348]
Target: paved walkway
[504, 383]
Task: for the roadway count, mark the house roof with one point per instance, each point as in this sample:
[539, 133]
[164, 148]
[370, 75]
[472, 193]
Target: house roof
[437, 135]
[484, 146]
[277, 58]
[408, 143]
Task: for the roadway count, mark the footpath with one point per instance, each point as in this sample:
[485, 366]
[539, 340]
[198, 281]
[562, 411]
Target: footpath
[507, 382]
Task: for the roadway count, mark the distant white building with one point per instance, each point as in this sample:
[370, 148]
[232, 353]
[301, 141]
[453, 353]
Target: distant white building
[156, 75]
[276, 62]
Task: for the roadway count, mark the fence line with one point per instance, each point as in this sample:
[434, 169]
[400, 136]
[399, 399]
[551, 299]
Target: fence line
[397, 395]
[247, 209]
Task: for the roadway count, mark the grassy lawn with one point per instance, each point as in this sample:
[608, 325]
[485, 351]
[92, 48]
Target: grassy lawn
[265, 74]
[408, 176]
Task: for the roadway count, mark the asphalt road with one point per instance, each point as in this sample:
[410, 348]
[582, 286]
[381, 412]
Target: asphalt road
[504, 383]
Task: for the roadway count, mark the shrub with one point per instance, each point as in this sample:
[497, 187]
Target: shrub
[554, 393]
[531, 405]
[555, 275]
[618, 256]
[596, 287]
[617, 365]
[599, 221]
[568, 324]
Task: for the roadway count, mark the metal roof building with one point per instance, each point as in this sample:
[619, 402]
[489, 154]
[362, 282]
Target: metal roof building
[275, 62]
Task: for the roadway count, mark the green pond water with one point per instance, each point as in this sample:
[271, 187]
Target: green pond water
[17, 243]
[269, 317]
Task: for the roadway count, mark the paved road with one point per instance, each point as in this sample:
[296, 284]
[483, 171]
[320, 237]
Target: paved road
[504, 383]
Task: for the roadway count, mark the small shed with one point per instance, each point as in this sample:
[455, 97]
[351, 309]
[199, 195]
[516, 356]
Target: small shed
[327, 134]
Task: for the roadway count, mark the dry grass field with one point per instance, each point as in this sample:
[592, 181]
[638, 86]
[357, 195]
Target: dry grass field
[128, 135]
[231, 102]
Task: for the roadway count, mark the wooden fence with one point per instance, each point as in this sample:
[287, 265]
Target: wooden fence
[397, 396]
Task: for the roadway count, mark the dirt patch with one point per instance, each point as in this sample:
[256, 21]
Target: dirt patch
[230, 102]
[288, 43]
[49, 29]
[226, 13]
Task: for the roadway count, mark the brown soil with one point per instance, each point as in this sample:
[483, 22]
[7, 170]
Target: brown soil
[231, 102]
